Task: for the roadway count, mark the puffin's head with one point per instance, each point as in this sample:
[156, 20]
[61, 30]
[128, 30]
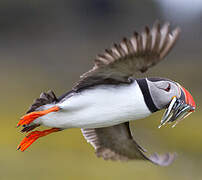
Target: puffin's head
[169, 94]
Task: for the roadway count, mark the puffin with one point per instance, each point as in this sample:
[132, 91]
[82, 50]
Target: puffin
[108, 97]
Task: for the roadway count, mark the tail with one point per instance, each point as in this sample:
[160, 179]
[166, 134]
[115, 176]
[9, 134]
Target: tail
[33, 113]
[45, 98]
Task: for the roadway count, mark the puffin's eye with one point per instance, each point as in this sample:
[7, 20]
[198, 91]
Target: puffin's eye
[168, 88]
[165, 86]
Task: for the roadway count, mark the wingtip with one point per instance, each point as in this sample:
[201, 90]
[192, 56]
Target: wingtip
[176, 31]
[164, 159]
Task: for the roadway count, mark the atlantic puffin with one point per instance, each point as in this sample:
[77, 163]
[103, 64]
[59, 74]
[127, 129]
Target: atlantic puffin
[108, 97]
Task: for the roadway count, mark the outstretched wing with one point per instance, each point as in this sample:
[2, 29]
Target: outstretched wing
[117, 143]
[138, 53]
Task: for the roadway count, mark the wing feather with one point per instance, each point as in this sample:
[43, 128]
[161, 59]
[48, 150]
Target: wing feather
[117, 143]
[138, 53]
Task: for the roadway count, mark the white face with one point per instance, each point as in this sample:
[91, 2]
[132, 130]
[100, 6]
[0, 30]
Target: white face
[162, 91]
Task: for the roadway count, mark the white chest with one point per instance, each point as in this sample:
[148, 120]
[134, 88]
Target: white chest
[99, 107]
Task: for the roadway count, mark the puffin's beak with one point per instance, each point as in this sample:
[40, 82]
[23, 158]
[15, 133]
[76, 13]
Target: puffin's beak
[188, 99]
[179, 108]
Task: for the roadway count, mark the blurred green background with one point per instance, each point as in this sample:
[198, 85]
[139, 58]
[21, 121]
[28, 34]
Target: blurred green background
[48, 44]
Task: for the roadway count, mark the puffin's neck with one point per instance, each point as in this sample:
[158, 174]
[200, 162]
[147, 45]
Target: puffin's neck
[146, 94]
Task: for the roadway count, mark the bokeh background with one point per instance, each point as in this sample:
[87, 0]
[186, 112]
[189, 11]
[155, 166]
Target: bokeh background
[47, 44]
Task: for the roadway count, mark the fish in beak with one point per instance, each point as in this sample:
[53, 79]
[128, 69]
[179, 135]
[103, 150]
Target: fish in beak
[179, 108]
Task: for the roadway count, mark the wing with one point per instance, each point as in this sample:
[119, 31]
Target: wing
[138, 53]
[117, 143]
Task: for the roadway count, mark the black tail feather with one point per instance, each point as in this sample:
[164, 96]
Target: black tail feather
[45, 98]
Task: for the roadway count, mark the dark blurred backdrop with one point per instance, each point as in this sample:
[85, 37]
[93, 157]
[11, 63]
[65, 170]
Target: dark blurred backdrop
[48, 44]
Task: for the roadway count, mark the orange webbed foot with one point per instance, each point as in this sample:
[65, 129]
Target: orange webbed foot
[33, 136]
[28, 118]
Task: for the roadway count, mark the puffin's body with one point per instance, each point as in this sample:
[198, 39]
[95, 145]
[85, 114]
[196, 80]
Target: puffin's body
[108, 97]
[99, 106]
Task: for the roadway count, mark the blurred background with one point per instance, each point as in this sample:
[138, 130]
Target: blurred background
[48, 44]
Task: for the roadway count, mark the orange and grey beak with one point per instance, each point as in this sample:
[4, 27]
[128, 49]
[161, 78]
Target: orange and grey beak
[179, 108]
[187, 97]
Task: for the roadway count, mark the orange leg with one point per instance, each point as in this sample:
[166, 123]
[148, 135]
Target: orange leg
[28, 118]
[33, 136]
